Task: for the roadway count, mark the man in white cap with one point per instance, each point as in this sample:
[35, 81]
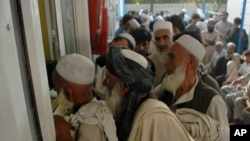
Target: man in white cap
[129, 78]
[85, 115]
[123, 39]
[190, 98]
[163, 35]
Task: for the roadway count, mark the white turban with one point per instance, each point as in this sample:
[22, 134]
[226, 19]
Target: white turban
[134, 24]
[192, 45]
[128, 37]
[76, 68]
[161, 24]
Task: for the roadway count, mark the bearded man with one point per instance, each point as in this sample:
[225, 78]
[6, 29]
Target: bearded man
[79, 113]
[192, 100]
[129, 78]
[227, 65]
[209, 37]
[163, 36]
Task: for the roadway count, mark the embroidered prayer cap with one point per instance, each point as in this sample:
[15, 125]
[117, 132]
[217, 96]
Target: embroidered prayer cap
[162, 24]
[76, 68]
[129, 37]
[192, 45]
[131, 68]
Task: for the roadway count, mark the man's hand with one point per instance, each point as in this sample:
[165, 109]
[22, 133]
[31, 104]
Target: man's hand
[62, 128]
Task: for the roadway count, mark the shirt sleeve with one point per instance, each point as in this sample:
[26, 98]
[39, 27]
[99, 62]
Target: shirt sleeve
[218, 111]
[159, 127]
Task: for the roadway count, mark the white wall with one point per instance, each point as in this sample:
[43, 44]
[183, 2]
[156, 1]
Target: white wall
[14, 117]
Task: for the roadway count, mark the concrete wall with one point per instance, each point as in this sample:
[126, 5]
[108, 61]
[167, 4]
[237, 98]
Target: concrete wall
[173, 8]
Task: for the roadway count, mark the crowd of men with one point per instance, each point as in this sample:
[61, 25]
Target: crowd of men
[161, 79]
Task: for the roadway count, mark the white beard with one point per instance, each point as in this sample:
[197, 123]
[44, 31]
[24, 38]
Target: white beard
[114, 100]
[228, 55]
[65, 107]
[161, 55]
[174, 81]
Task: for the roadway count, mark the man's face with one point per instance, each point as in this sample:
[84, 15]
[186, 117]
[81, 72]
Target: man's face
[163, 39]
[223, 16]
[142, 48]
[114, 99]
[175, 57]
[230, 51]
[210, 26]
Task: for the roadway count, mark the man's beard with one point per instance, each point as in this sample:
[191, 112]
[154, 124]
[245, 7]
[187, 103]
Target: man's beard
[161, 49]
[65, 107]
[162, 56]
[228, 56]
[115, 101]
[173, 81]
[210, 29]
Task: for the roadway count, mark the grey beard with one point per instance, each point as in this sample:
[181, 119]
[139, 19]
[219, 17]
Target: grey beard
[228, 56]
[65, 107]
[114, 100]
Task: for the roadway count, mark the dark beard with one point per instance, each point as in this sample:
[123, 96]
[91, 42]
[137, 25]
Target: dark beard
[210, 29]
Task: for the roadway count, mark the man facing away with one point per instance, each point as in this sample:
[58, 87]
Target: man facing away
[129, 78]
[192, 100]
[84, 114]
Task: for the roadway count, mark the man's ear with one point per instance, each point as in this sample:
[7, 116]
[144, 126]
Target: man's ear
[176, 30]
[69, 94]
[124, 89]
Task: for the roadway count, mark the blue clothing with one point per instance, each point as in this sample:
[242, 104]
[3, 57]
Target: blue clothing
[119, 31]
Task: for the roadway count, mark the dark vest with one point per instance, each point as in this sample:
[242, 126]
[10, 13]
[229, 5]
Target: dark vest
[203, 95]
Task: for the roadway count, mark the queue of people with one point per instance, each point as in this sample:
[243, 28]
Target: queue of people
[186, 89]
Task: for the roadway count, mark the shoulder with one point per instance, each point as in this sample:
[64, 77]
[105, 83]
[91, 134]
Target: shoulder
[205, 89]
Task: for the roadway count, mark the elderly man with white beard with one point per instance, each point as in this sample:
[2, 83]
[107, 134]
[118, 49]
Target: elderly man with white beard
[129, 79]
[192, 100]
[163, 39]
[79, 113]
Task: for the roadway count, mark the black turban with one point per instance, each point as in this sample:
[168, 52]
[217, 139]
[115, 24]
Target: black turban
[133, 74]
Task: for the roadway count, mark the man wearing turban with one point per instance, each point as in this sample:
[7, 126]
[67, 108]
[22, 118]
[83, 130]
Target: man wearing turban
[129, 78]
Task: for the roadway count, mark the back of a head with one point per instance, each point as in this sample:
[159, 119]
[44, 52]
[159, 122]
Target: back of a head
[131, 68]
[237, 20]
[195, 16]
[126, 18]
[141, 35]
[191, 33]
[177, 21]
[76, 69]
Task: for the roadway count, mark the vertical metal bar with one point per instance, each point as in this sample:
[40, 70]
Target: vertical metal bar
[204, 6]
[239, 49]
